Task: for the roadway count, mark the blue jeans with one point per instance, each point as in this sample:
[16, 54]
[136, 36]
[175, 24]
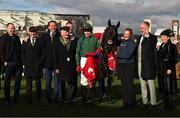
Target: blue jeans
[48, 75]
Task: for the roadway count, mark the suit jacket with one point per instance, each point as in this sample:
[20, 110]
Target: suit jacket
[32, 57]
[48, 49]
[148, 59]
[65, 61]
[11, 49]
[1, 64]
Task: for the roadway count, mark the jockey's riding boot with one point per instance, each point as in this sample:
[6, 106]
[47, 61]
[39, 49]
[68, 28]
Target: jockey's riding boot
[93, 95]
[84, 100]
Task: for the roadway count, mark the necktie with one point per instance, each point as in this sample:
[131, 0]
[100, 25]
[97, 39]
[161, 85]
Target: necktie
[33, 42]
[51, 35]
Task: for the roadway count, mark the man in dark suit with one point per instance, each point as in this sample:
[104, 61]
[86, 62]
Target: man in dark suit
[146, 64]
[1, 64]
[11, 58]
[32, 58]
[48, 39]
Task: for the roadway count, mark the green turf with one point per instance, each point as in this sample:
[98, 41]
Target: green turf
[98, 109]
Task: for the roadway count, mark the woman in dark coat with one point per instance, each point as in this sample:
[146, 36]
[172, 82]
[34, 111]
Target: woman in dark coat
[65, 63]
[167, 73]
[126, 68]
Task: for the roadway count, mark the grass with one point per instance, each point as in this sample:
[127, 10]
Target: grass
[99, 109]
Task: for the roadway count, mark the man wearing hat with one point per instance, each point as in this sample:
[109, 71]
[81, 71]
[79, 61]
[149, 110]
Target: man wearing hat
[86, 44]
[65, 64]
[32, 58]
[167, 73]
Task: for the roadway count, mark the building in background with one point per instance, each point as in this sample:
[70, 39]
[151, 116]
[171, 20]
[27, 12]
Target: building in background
[24, 19]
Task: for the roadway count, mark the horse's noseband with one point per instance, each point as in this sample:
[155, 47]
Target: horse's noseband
[110, 42]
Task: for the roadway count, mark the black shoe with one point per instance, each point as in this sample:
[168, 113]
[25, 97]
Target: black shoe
[124, 108]
[48, 100]
[168, 107]
[38, 99]
[83, 101]
[56, 100]
[132, 107]
[15, 100]
[144, 106]
[61, 102]
[153, 106]
[8, 102]
[29, 101]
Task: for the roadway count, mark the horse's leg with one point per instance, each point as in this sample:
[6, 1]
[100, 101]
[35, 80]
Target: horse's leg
[101, 87]
[0, 81]
[109, 83]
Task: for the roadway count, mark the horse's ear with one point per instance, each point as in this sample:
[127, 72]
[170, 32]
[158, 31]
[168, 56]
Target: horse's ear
[109, 22]
[118, 24]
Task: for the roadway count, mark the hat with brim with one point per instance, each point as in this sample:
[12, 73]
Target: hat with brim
[65, 28]
[166, 33]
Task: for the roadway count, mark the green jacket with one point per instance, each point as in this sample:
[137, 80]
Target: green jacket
[86, 45]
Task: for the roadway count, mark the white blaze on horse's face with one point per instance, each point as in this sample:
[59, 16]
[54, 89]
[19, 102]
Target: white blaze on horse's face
[87, 34]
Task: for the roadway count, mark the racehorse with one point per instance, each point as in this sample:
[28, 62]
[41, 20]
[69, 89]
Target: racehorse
[108, 44]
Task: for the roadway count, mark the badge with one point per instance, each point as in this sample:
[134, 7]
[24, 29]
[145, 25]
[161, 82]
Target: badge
[68, 59]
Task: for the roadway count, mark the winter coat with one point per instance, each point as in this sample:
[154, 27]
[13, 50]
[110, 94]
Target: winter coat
[167, 60]
[32, 57]
[64, 60]
[148, 58]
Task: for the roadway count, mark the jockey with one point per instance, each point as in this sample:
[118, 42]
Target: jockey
[86, 44]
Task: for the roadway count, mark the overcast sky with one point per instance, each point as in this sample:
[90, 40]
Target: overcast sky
[129, 12]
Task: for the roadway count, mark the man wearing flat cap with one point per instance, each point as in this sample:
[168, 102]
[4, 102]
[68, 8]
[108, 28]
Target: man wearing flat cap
[65, 63]
[32, 58]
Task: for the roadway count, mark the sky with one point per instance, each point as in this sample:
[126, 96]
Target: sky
[129, 12]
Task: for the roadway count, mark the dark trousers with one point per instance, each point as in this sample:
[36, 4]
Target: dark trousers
[29, 87]
[71, 90]
[12, 71]
[126, 74]
[168, 102]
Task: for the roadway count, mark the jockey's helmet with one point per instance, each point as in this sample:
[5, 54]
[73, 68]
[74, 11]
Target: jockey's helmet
[87, 27]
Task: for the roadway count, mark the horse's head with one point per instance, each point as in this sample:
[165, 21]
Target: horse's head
[110, 37]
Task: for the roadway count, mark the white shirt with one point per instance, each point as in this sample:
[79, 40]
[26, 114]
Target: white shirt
[33, 39]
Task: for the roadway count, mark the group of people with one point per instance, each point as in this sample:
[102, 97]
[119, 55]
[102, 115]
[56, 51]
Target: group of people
[142, 58]
[61, 55]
